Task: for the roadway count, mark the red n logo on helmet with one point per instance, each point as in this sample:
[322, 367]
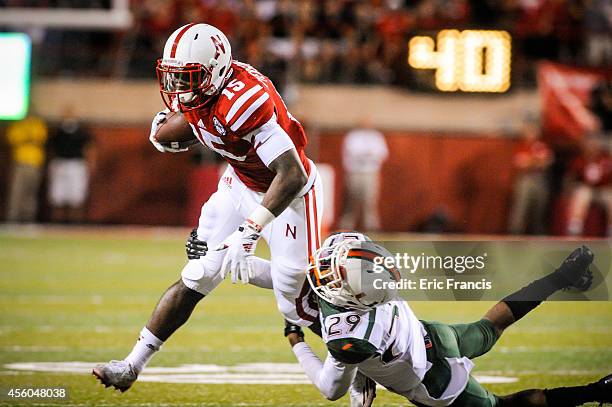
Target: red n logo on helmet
[219, 47]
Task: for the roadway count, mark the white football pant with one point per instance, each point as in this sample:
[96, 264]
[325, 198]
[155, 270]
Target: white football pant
[292, 237]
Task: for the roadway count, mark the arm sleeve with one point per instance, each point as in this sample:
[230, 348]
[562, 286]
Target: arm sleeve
[332, 378]
[270, 141]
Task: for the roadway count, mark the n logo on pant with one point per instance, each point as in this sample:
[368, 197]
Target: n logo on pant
[291, 231]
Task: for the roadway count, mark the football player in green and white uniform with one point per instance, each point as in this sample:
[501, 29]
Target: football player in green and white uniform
[370, 332]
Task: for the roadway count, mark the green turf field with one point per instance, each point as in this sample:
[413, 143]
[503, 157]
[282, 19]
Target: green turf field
[76, 297]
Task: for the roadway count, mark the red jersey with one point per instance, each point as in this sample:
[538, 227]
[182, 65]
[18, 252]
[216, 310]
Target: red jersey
[248, 123]
[532, 156]
[596, 172]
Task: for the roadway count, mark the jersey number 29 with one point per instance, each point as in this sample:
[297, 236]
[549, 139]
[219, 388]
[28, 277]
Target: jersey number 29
[340, 325]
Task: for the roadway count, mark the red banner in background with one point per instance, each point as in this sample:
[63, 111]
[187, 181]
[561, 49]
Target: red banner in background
[566, 95]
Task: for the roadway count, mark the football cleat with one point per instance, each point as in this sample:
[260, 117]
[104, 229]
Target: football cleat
[362, 391]
[117, 373]
[603, 390]
[575, 269]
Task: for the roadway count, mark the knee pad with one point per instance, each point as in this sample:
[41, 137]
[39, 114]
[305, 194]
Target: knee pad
[199, 276]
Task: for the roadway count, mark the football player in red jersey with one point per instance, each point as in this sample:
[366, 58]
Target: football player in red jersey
[270, 189]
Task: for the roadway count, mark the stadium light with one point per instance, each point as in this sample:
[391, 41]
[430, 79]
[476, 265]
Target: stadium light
[15, 75]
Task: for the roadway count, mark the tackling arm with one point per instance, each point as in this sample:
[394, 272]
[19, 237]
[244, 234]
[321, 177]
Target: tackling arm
[331, 378]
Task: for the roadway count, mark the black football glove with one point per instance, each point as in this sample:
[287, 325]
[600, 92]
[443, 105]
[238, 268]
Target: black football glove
[293, 329]
[194, 247]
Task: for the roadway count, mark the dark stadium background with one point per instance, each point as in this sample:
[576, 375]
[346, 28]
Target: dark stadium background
[451, 153]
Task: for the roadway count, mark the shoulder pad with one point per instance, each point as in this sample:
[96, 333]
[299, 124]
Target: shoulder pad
[245, 107]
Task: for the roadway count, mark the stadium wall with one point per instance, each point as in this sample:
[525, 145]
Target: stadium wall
[448, 154]
[467, 177]
[329, 107]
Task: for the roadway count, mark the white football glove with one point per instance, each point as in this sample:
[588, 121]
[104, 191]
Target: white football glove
[240, 247]
[157, 121]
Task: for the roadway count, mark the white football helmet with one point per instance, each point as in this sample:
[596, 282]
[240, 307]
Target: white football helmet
[196, 62]
[343, 272]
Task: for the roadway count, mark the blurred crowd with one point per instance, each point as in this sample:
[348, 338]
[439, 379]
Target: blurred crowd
[80, 4]
[561, 191]
[337, 41]
[555, 191]
[332, 41]
[54, 157]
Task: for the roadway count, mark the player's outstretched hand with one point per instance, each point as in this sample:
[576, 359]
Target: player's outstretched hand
[195, 247]
[293, 333]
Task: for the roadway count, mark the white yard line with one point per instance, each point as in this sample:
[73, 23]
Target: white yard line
[560, 372]
[531, 349]
[18, 348]
[247, 373]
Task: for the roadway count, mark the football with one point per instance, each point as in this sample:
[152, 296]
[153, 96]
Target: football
[175, 132]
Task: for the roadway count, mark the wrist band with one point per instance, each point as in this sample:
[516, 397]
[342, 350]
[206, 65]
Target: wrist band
[261, 217]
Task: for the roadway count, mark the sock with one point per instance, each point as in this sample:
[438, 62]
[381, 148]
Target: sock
[570, 396]
[261, 273]
[529, 297]
[143, 351]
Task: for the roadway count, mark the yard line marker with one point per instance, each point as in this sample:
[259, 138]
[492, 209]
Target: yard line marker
[246, 373]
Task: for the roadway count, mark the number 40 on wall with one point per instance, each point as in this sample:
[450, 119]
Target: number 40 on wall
[470, 60]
